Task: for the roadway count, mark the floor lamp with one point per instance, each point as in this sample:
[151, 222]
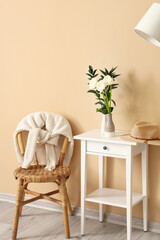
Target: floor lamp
[149, 25]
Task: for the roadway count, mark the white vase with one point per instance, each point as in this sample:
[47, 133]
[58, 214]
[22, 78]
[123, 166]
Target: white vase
[107, 126]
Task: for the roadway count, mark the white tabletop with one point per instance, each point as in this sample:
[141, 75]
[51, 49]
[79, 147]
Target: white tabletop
[96, 135]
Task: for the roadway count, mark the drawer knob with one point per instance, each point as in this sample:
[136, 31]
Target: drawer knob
[105, 148]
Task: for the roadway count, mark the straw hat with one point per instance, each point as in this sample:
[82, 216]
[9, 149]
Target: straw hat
[144, 132]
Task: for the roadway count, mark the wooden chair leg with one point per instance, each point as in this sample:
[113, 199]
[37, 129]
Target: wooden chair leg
[66, 222]
[23, 195]
[20, 191]
[63, 196]
[69, 205]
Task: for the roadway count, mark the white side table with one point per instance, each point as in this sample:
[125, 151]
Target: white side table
[94, 143]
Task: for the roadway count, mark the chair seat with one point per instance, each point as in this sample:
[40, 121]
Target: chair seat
[37, 173]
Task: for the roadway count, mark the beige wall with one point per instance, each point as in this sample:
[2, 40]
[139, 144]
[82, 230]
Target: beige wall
[45, 48]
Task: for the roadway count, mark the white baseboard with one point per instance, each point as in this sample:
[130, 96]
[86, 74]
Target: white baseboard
[90, 213]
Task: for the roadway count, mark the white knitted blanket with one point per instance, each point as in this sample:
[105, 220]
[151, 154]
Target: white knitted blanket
[45, 137]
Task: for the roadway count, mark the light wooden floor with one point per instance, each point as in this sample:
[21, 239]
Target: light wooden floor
[38, 224]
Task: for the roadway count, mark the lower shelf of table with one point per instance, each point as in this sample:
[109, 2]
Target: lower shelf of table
[113, 197]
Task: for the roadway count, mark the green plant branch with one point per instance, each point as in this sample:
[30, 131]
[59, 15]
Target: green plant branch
[110, 95]
[109, 109]
[105, 101]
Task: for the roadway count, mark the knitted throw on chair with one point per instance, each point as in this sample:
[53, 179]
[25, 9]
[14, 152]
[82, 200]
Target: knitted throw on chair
[45, 138]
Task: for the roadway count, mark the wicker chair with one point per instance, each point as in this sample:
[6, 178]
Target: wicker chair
[37, 174]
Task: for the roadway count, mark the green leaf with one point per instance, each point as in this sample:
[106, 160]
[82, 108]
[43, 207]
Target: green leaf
[112, 109]
[96, 75]
[102, 110]
[90, 69]
[103, 72]
[113, 102]
[107, 88]
[108, 94]
[101, 99]
[98, 95]
[112, 70]
[92, 91]
[101, 103]
[89, 75]
[95, 92]
[100, 78]
[94, 72]
[106, 71]
[116, 75]
[114, 86]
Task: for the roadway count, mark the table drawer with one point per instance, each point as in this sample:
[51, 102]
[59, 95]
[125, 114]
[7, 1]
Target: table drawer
[106, 148]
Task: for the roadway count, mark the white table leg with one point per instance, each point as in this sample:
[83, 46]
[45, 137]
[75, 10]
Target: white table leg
[144, 186]
[101, 177]
[129, 192]
[83, 183]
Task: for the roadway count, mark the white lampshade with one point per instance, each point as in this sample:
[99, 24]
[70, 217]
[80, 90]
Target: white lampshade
[149, 25]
